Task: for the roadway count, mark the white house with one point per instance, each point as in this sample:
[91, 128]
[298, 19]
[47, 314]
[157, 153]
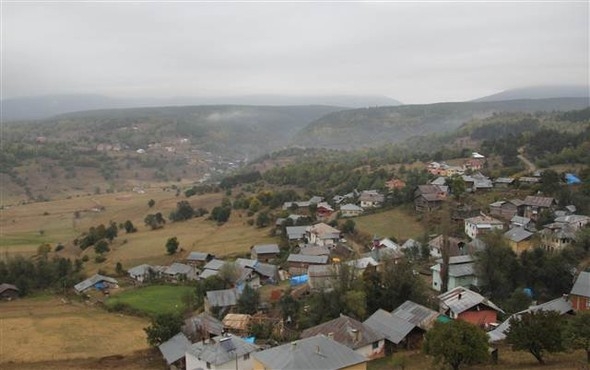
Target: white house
[322, 234]
[222, 352]
[476, 226]
[461, 273]
[351, 210]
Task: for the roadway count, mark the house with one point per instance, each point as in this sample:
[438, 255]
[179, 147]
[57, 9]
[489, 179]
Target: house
[351, 210]
[457, 247]
[371, 199]
[267, 273]
[461, 273]
[324, 210]
[264, 252]
[8, 291]
[479, 225]
[314, 250]
[299, 263]
[507, 209]
[322, 277]
[322, 234]
[416, 314]
[97, 281]
[214, 264]
[524, 222]
[296, 232]
[519, 239]
[575, 222]
[477, 182]
[222, 352]
[580, 293]
[141, 273]
[464, 304]
[237, 324]
[224, 299]
[351, 333]
[202, 326]
[526, 180]
[199, 259]
[395, 184]
[559, 305]
[503, 182]
[398, 333]
[174, 349]
[318, 352]
[556, 236]
[180, 271]
[429, 197]
[359, 265]
[533, 206]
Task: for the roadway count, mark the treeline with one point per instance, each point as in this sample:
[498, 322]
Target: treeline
[28, 275]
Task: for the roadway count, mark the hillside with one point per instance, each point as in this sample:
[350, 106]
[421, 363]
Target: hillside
[539, 92]
[370, 127]
[43, 107]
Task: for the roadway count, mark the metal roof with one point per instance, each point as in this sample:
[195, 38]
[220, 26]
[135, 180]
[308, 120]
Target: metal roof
[222, 350]
[520, 220]
[222, 298]
[315, 250]
[392, 327]
[582, 285]
[538, 201]
[302, 258]
[208, 273]
[178, 269]
[345, 330]
[266, 248]
[296, 232]
[203, 322]
[199, 256]
[174, 348]
[246, 262]
[460, 270]
[461, 299]
[91, 281]
[517, 234]
[214, 264]
[317, 352]
[266, 269]
[139, 270]
[414, 313]
[351, 207]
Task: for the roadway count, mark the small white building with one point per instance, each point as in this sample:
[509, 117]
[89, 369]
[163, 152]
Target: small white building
[476, 226]
[222, 352]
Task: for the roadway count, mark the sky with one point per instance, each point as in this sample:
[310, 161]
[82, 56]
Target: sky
[421, 52]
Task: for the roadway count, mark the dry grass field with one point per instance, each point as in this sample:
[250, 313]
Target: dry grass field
[24, 227]
[45, 329]
[396, 222]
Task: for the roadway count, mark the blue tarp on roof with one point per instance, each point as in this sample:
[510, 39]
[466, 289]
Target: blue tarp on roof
[299, 279]
[572, 179]
[250, 339]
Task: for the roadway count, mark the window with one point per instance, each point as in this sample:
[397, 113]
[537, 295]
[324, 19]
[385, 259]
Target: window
[375, 345]
[208, 365]
[246, 356]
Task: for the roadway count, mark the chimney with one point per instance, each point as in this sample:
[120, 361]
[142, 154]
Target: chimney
[331, 335]
[293, 345]
[355, 335]
[317, 350]
[459, 296]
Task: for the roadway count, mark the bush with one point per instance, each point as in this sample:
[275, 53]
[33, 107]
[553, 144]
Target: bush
[99, 258]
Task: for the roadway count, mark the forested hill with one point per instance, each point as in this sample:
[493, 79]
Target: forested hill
[369, 127]
[238, 131]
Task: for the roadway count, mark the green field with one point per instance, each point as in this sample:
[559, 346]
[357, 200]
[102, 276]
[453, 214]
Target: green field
[397, 222]
[153, 299]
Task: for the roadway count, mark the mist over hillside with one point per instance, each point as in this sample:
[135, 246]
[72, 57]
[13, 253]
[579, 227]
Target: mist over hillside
[42, 107]
[540, 92]
[362, 128]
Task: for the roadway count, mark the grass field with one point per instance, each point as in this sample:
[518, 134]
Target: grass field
[153, 299]
[397, 222]
[47, 328]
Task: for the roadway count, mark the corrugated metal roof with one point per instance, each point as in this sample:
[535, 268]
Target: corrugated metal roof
[198, 256]
[203, 322]
[315, 250]
[208, 273]
[91, 281]
[139, 270]
[517, 234]
[345, 330]
[317, 352]
[178, 269]
[266, 248]
[214, 264]
[174, 348]
[302, 258]
[296, 232]
[218, 353]
[461, 299]
[392, 327]
[582, 285]
[464, 269]
[222, 298]
[414, 313]
[266, 269]
[538, 201]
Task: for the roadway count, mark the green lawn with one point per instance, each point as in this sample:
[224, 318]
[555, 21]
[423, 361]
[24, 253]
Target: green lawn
[153, 299]
[398, 222]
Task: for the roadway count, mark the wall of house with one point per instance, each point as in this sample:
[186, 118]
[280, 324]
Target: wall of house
[579, 303]
[520, 247]
[436, 281]
[465, 281]
[371, 353]
[479, 318]
[193, 362]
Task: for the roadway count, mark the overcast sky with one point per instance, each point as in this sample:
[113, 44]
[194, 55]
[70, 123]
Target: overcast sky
[413, 52]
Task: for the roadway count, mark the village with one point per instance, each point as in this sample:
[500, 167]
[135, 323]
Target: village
[321, 255]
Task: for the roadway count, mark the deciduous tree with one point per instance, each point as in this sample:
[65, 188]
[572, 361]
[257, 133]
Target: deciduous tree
[536, 332]
[163, 327]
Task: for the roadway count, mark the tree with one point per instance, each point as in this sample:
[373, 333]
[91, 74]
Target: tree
[129, 227]
[151, 203]
[163, 327]
[457, 185]
[220, 214]
[111, 231]
[348, 226]
[497, 266]
[249, 300]
[262, 220]
[537, 332]
[289, 306]
[172, 245]
[455, 343]
[578, 332]
[101, 247]
[184, 211]
[154, 221]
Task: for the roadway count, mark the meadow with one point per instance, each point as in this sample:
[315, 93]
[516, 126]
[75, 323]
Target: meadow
[397, 222]
[152, 300]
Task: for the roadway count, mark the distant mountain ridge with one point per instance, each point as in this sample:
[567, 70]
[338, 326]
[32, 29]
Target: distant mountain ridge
[540, 92]
[369, 127]
[42, 107]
